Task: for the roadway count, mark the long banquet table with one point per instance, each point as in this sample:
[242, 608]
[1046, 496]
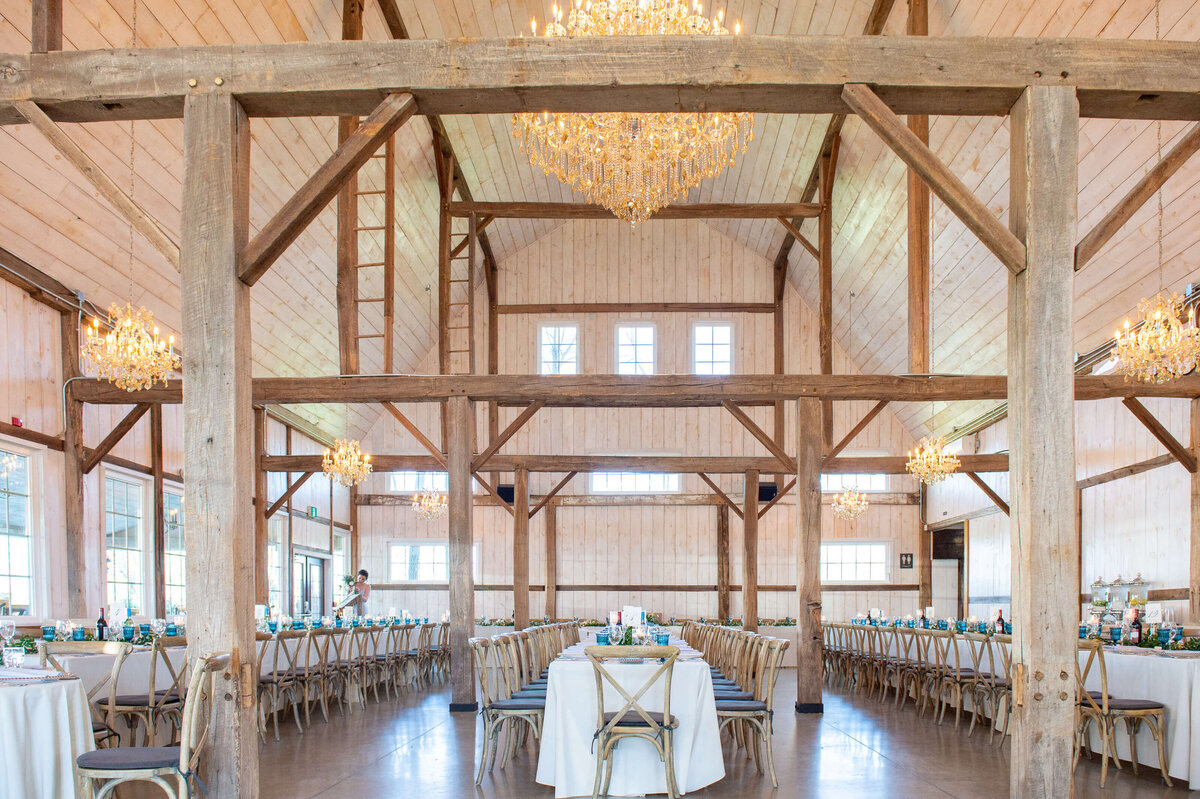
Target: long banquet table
[44, 726]
[568, 760]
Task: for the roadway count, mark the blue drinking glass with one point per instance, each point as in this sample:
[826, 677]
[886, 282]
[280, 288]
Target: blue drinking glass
[1114, 633]
[1008, 628]
[49, 632]
[1083, 631]
[602, 639]
[127, 632]
[172, 630]
[145, 628]
[273, 626]
[79, 634]
[663, 639]
[1164, 637]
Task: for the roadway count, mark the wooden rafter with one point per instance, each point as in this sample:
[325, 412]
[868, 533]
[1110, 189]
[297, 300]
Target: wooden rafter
[479, 228]
[552, 494]
[872, 110]
[637, 307]
[114, 437]
[491, 489]
[920, 250]
[795, 233]
[988, 491]
[858, 428]
[142, 222]
[1181, 453]
[47, 26]
[618, 391]
[763, 437]
[507, 433]
[316, 193]
[291, 489]
[533, 210]
[416, 433]
[1124, 210]
[716, 489]
[788, 486]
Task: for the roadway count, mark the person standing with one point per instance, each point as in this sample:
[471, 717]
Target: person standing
[362, 590]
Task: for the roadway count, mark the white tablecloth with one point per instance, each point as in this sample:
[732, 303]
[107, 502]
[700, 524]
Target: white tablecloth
[567, 760]
[43, 727]
[135, 672]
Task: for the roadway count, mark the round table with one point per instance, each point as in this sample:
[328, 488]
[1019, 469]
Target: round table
[44, 726]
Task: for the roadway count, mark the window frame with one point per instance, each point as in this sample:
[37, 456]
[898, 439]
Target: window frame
[39, 591]
[170, 487]
[422, 474]
[678, 488]
[653, 347]
[542, 326]
[696, 343]
[887, 482]
[888, 555]
[418, 542]
[145, 532]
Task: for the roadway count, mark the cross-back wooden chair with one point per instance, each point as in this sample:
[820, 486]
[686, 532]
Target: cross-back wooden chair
[156, 704]
[983, 691]
[633, 719]
[102, 722]
[1097, 707]
[499, 709]
[1002, 684]
[107, 768]
[756, 714]
[277, 679]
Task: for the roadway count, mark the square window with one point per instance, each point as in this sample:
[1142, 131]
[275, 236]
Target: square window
[713, 349]
[558, 350]
[635, 349]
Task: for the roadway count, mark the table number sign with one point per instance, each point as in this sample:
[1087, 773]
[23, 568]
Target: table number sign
[1154, 613]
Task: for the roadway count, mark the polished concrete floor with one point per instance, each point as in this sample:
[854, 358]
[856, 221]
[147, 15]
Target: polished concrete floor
[413, 747]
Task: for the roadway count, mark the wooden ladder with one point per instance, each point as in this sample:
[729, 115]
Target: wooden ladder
[460, 330]
[375, 263]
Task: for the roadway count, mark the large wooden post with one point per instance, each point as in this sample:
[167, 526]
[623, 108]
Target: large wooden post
[918, 227]
[750, 552]
[1194, 571]
[521, 549]
[825, 287]
[77, 550]
[1044, 126]
[347, 223]
[460, 421]
[809, 642]
[722, 562]
[218, 452]
[924, 555]
[550, 518]
[261, 528]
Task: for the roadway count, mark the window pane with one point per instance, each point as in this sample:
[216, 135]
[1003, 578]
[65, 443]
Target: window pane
[558, 354]
[418, 562]
[634, 483]
[713, 353]
[123, 522]
[635, 349]
[415, 482]
[854, 562]
[16, 562]
[837, 483]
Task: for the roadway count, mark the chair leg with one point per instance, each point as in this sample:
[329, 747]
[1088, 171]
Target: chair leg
[483, 751]
[1157, 727]
[1132, 726]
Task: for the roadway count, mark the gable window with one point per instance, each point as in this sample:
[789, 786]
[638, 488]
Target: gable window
[174, 553]
[837, 483]
[417, 482]
[558, 350]
[635, 349]
[124, 533]
[16, 541]
[634, 483]
[712, 352]
[854, 562]
[423, 561]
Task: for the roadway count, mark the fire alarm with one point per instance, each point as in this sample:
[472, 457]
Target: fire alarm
[17, 421]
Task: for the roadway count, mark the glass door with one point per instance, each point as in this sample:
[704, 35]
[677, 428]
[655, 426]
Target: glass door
[308, 585]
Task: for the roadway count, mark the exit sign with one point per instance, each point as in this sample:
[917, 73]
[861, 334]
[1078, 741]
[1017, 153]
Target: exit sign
[312, 511]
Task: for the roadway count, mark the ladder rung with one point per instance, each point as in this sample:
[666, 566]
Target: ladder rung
[371, 335]
[372, 227]
[379, 155]
[459, 280]
[458, 303]
[372, 191]
[371, 299]
[373, 263]
[459, 327]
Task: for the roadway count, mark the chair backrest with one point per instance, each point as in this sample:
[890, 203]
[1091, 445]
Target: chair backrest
[1002, 651]
[941, 644]
[176, 672]
[770, 661]
[481, 648]
[48, 652]
[1097, 702]
[198, 709]
[444, 636]
[665, 654]
[979, 647]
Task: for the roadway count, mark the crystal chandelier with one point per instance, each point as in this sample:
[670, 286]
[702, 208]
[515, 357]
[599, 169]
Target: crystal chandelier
[429, 506]
[346, 463]
[633, 164]
[131, 355]
[849, 504]
[8, 464]
[1163, 346]
[930, 463]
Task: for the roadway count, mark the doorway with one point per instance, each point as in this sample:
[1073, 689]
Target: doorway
[308, 585]
[949, 572]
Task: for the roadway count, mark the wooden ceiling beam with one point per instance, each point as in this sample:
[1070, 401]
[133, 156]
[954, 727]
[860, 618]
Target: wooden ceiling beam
[721, 495]
[636, 307]
[507, 433]
[317, 192]
[621, 391]
[953, 76]
[1124, 210]
[292, 489]
[74, 155]
[552, 494]
[872, 110]
[858, 428]
[1181, 453]
[115, 435]
[536, 210]
[989, 492]
[672, 464]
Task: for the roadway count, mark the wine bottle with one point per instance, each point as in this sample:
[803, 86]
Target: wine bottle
[101, 627]
[1135, 629]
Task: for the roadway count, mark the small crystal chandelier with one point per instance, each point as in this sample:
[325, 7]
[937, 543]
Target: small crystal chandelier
[8, 464]
[849, 504]
[930, 463]
[429, 505]
[131, 355]
[633, 164]
[1163, 346]
[346, 463]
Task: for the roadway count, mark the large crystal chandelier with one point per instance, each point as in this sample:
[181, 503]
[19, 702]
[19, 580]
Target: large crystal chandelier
[429, 505]
[131, 354]
[1164, 346]
[633, 164]
[849, 504]
[930, 463]
[346, 463]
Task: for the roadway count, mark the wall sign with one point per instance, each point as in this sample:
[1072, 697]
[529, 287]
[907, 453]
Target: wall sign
[906, 560]
[312, 514]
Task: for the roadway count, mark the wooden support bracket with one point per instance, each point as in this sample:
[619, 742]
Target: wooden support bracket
[785, 460]
[778, 496]
[858, 428]
[553, 493]
[507, 433]
[733, 506]
[987, 489]
[1179, 451]
[114, 437]
[292, 489]
[416, 433]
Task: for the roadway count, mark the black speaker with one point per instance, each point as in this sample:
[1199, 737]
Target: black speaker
[506, 492]
[767, 491]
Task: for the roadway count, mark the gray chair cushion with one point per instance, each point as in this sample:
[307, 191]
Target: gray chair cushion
[1134, 704]
[130, 757]
[529, 695]
[741, 696]
[634, 719]
[740, 706]
[518, 704]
